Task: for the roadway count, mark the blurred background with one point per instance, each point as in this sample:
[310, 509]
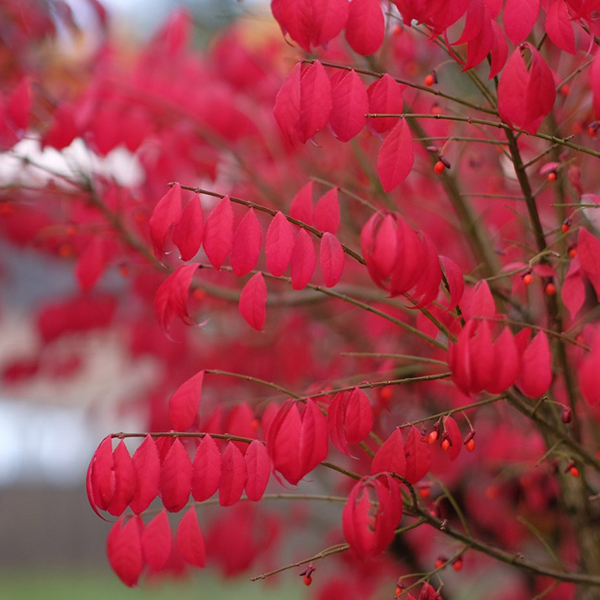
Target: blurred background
[51, 544]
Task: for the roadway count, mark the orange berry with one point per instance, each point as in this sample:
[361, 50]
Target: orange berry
[446, 445]
[574, 471]
[398, 591]
[433, 436]
[429, 80]
[470, 445]
[439, 167]
[457, 565]
[564, 228]
[550, 289]
[565, 89]
[551, 176]
[255, 424]
[527, 279]
[572, 253]
[440, 562]
[385, 393]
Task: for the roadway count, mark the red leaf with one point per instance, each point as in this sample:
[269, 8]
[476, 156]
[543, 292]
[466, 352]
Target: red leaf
[390, 456]
[287, 105]
[102, 483]
[19, 104]
[365, 28]
[165, 214]
[233, 476]
[418, 456]
[176, 478]
[301, 207]
[206, 470]
[327, 212]
[536, 367]
[519, 18]
[573, 289]
[218, 233]
[454, 278]
[170, 299]
[157, 541]
[454, 437]
[125, 480]
[331, 259]
[247, 242]
[327, 20]
[92, 262]
[188, 232]
[293, 18]
[588, 253]
[279, 244]
[395, 159]
[303, 260]
[258, 469]
[350, 104]
[526, 97]
[253, 302]
[124, 551]
[506, 361]
[385, 97]
[479, 302]
[358, 417]
[147, 468]
[559, 28]
[589, 374]
[315, 101]
[184, 403]
[190, 542]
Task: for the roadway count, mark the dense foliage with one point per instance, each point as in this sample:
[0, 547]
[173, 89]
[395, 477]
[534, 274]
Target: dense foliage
[365, 262]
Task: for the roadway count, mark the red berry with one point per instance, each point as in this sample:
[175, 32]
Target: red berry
[551, 176]
[446, 445]
[424, 492]
[440, 562]
[574, 471]
[550, 289]
[307, 580]
[566, 225]
[572, 252]
[429, 80]
[527, 279]
[457, 565]
[565, 89]
[398, 591]
[470, 445]
[433, 436]
[439, 167]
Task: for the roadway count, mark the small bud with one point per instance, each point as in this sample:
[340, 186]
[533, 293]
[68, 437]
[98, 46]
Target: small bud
[433, 149]
[567, 415]
[527, 279]
[550, 289]
[457, 565]
[439, 167]
[566, 225]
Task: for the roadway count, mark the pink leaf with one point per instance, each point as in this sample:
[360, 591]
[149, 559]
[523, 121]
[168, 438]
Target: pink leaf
[190, 542]
[258, 468]
[176, 477]
[188, 232]
[315, 101]
[385, 97]
[157, 541]
[331, 259]
[350, 104]
[253, 302]
[233, 476]
[573, 289]
[365, 28]
[588, 254]
[396, 157]
[304, 258]
[125, 480]
[418, 456]
[247, 243]
[124, 551]
[559, 28]
[147, 467]
[301, 207]
[218, 233]
[165, 214]
[519, 18]
[327, 212]
[206, 469]
[287, 106]
[279, 244]
[390, 457]
[536, 368]
[184, 403]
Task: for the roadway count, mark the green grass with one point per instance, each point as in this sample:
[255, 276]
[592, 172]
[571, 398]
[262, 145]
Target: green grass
[91, 585]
